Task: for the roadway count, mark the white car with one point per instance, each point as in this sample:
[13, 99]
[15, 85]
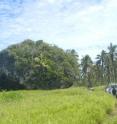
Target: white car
[110, 88]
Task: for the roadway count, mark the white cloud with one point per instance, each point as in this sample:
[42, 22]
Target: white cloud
[51, 1]
[67, 23]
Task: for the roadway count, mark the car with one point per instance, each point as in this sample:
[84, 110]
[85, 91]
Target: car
[110, 88]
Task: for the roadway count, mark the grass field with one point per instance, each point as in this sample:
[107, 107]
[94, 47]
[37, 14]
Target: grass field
[68, 106]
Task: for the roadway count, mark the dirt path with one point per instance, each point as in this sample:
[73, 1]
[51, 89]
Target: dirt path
[111, 117]
[114, 112]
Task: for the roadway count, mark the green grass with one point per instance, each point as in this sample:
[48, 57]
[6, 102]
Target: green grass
[68, 106]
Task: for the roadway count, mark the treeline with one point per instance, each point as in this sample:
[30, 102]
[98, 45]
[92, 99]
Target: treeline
[38, 65]
[103, 71]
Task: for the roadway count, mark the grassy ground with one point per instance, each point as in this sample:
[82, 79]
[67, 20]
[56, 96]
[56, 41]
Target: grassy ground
[69, 106]
[111, 117]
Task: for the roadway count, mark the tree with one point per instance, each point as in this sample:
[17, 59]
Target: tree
[86, 65]
[100, 63]
[40, 65]
[112, 53]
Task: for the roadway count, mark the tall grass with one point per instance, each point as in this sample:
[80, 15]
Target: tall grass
[69, 106]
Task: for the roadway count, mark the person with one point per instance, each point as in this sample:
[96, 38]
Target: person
[114, 92]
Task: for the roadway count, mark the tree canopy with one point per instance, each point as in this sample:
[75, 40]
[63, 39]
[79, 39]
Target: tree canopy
[37, 65]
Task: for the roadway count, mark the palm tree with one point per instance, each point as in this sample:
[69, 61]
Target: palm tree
[86, 65]
[101, 64]
[112, 53]
[108, 68]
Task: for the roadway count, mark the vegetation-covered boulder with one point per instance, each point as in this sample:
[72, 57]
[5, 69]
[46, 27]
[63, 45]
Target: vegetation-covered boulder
[37, 65]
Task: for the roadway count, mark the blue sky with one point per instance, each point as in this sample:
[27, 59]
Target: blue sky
[85, 25]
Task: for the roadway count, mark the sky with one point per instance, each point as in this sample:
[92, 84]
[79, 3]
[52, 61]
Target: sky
[88, 26]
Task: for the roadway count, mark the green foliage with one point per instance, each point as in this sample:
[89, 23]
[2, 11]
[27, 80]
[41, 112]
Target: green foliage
[38, 65]
[86, 65]
[103, 71]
